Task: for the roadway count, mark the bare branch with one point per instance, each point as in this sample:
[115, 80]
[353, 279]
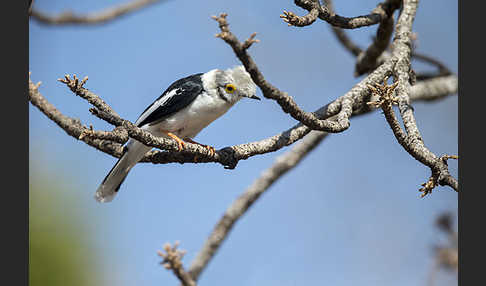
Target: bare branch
[283, 99]
[294, 20]
[368, 60]
[341, 34]
[386, 99]
[434, 179]
[435, 88]
[401, 53]
[282, 165]
[442, 69]
[336, 112]
[376, 16]
[239, 207]
[251, 40]
[229, 157]
[73, 127]
[172, 260]
[411, 139]
[119, 134]
[68, 18]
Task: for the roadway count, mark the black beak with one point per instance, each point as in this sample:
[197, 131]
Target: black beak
[254, 97]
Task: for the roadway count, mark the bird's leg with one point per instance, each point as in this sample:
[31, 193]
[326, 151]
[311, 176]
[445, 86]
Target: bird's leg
[209, 148]
[179, 140]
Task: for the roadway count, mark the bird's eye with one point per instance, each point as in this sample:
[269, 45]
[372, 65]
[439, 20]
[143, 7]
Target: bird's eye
[230, 88]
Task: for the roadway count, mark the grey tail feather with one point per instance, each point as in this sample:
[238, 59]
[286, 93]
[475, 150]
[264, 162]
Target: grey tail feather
[112, 182]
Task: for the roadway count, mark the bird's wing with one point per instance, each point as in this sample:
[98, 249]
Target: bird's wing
[177, 96]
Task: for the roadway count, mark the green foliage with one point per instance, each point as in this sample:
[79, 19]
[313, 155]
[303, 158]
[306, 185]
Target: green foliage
[60, 252]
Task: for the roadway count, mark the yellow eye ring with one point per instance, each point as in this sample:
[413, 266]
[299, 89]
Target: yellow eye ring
[230, 88]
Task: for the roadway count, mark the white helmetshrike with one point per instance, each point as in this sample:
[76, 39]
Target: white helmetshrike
[181, 112]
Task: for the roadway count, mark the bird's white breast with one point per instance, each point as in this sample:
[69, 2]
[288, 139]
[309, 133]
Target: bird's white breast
[189, 121]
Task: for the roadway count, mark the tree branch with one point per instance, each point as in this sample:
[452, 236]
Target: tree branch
[313, 6]
[294, 20]
[239, 207]
[281, 166]
[433, 89]
[283, 99]
[368, 60]
[442, 70]
[341, 34]
[172, 260]
[284, 163]
[410, 139]
[68, 18]
[336, 112]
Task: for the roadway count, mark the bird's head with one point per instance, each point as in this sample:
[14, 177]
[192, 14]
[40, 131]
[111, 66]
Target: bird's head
[236, 83]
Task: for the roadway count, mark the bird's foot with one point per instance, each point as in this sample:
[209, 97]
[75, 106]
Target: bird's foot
[180, 142]
[209, 148]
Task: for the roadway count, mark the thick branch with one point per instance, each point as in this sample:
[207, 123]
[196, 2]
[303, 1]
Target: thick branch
[282, 165]
[410, 139]
[428, 90]
[352, 102]
[433, 89]
[97, 18]
[413, 144]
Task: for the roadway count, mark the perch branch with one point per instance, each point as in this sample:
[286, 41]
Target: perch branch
[429, 90]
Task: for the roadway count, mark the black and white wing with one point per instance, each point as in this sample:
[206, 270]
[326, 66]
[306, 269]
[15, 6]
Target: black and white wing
[177, 96]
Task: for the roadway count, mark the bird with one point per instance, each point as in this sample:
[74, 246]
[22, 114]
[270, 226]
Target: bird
[186, 107]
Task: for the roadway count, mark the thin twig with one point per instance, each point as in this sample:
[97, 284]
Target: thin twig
[442, 70]
[172, 260]
[341, 34]
[69, 18]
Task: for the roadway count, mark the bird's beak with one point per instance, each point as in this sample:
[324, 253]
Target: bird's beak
[254, 97]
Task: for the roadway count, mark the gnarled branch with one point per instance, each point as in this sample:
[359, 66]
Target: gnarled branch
[412, 140]
[324, 13]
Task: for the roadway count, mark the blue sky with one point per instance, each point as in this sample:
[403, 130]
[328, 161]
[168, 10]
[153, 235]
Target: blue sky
[349, 213]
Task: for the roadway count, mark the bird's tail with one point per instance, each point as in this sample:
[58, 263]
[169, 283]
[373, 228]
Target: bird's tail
[112, 182]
